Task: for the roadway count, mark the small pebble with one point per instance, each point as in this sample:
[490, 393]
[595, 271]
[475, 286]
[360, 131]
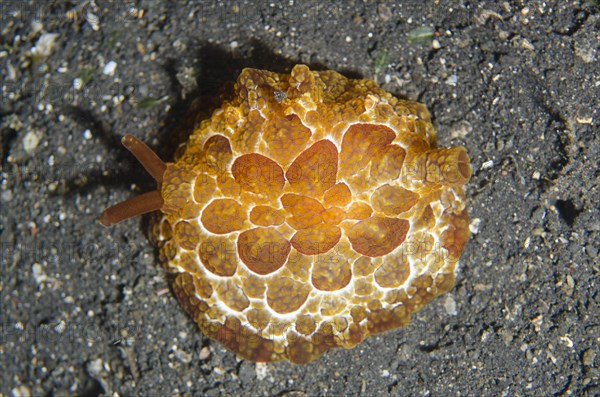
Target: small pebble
[31, 141]
[450, 305]
[384, 12]
[487, 164]
[261, 371]
[588, 357]
[452, 80]
[587, 52]
[109, 68]
[183, 356]
[38, 273]
[95, 367]
[44, 45]
[36, 27]
[7, 195]
[204, 353]
[12, 72]
[461, 129]
[77, 83]
[21, 391]
[474, 225]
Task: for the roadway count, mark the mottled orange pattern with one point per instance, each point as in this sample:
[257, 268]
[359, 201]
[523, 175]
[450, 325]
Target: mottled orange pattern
[309, 212]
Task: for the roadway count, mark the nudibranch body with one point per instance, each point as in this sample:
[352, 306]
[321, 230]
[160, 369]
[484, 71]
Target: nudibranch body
[309, 212]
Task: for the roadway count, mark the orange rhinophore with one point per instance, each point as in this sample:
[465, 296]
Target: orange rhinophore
[309, 212]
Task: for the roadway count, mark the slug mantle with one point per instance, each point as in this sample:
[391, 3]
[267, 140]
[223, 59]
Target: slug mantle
[309, 212]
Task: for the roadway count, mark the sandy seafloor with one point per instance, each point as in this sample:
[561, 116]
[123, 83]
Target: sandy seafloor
[85, 311]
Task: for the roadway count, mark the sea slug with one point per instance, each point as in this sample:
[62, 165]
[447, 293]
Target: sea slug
[309, 212]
